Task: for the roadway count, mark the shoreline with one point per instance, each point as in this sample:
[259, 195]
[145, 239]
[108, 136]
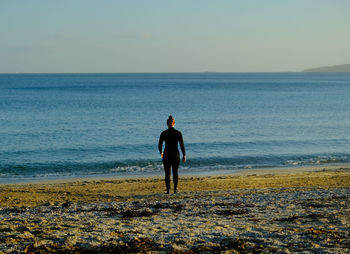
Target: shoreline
[307, 210]
[224, 172]
[117, 189]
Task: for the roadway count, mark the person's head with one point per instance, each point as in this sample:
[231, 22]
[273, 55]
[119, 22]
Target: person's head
[171, 121]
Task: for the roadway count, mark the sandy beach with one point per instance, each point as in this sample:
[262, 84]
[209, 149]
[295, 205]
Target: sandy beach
[286, 211]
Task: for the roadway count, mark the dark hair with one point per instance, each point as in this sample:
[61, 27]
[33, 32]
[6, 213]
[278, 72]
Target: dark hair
[170, 120]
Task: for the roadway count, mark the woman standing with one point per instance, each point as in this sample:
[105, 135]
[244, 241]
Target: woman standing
[171, 155]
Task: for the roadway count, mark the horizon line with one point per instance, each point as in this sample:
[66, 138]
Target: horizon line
[167, 72]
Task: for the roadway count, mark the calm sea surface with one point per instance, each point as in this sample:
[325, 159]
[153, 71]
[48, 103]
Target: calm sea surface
[81, 125]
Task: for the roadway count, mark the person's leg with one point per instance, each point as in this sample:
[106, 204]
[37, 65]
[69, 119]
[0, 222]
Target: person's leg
[167, 170]
[175, 167]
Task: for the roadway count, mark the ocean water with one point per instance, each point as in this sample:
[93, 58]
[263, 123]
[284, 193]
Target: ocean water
[85, 125]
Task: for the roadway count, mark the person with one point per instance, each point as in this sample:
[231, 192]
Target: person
[171, 155]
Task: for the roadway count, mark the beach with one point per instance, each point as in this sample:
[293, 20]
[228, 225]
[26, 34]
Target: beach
[263, 211]
[247, 102]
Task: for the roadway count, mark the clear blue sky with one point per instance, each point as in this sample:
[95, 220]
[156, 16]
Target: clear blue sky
[172, 36]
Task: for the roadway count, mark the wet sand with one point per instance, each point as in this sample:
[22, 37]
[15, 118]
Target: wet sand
[295, 210]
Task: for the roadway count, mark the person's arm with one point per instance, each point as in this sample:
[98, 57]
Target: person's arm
[182, 146]
[160, 145]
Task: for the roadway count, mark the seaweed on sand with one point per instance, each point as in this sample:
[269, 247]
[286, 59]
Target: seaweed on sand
[136, 245]
[293, 218]
[236, 245]
[130, 213]
[176, 207]
[229, 212]
[330, 236]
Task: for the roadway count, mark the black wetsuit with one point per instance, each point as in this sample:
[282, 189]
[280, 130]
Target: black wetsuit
[171, 155]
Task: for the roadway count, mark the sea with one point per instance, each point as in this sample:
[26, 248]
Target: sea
[64, 126]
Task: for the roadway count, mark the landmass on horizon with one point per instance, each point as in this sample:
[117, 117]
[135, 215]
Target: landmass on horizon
[334, 68]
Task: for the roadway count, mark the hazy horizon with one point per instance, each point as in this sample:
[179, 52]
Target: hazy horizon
[156, 72]
[172, 37]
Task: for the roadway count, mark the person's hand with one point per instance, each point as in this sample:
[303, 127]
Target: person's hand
[161, 155]
[184, 158]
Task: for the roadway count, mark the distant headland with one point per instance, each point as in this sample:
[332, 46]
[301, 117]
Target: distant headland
[335, 68]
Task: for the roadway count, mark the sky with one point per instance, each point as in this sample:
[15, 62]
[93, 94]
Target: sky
[82, 36]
